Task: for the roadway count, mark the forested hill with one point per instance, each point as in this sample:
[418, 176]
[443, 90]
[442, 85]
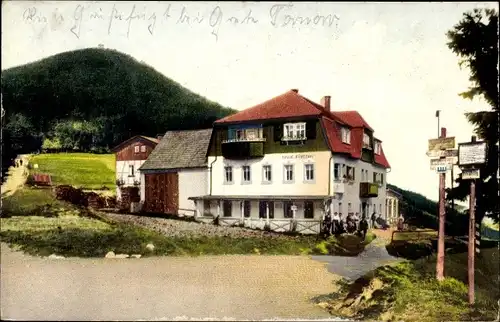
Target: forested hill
[95, 98]
[422, 212]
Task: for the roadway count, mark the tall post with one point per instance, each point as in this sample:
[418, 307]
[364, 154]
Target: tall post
[472, 237]
[442, 220]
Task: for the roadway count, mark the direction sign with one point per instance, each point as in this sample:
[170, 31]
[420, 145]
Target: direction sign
[442, 153]
[472, 153]
[441, 144]
[468, 174]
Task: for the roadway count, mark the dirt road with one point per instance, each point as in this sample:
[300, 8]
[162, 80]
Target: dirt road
[164, 288]
[16, 177]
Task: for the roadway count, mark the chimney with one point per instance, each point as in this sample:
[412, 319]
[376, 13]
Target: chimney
[295, 90]
[325, 102]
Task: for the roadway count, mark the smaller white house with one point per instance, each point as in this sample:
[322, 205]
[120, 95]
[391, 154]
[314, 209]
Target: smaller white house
[129, 156]
[176, 170]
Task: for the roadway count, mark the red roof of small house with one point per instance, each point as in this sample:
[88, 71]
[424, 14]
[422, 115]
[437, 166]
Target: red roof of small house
[292, 105]
[154, 141]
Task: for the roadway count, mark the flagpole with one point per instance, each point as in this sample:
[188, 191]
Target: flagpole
[437, 115]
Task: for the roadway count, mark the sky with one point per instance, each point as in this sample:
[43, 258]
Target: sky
[388, 61]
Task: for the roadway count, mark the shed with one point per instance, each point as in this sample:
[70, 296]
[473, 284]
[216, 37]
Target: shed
[176, 170]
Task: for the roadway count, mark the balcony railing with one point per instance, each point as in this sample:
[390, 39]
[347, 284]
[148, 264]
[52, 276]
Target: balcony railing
[244, 140]
[294, 138]
[368, 190]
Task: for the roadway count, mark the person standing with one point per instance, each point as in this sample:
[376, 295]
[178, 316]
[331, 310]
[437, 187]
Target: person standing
[336, 224]
[401, 221]
[373, 218]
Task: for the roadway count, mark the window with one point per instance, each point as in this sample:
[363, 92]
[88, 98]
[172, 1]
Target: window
[266, 173]
[288, 175]
[350, 173]
[375, 177]
[349, 207]
[246, 173]
[381, 178]
[308, 209]
[294, 131]
[366, 141]
[228, 174]
[287, 209]
[340, 207]
[246, 208]
[131, 171]
[337, 171]
[378, 147]
[263, 209]
[227, 208]
[346, 135]
[143, 148]
[378, 178]
[309, 172]
[136, 149]
[206, 207]
[380, 209]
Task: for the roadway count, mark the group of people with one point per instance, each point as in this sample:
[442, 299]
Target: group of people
[336, 225]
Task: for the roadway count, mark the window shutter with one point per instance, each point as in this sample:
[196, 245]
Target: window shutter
[311, 130]
[278, 132]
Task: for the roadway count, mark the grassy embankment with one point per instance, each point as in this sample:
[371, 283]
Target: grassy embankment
[409, 291]
[81, 170]
[41, 225]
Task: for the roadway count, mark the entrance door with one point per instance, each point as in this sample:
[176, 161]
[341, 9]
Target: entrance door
[364, 209]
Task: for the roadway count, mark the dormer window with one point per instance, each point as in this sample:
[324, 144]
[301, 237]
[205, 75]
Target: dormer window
[294, 131]
[378, 147]
[366, 141]
[346, 135]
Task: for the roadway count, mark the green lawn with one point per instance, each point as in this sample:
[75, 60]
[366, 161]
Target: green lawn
[82, 170]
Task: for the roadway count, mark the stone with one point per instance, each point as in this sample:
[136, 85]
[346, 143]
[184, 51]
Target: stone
[136, 255]
[110, 255]
[121, 256]
[54, 256]
[150, 247]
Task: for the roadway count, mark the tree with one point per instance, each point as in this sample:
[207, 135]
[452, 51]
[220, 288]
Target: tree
[475, 41]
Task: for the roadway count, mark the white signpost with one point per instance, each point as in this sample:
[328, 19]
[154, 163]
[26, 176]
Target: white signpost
[471, 156]
[442, 153]
[472, 153]
[468, 174]
[446, 163]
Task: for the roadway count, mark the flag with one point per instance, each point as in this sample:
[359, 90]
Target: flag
[437, 113]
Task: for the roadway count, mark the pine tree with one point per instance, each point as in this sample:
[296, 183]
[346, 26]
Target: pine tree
[475, 40]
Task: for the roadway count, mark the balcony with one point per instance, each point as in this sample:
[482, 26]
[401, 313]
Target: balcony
[368, 190]
[338, 187]
[242, 149]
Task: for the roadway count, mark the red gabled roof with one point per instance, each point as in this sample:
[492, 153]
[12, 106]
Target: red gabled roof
[291, 104]
[352, 118]
[154, 141]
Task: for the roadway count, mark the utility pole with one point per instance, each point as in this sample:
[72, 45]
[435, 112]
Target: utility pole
[472, 242]
[442, 221]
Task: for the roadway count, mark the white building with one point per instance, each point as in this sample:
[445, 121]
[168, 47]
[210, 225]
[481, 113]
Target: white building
[129, 156]
[286, 161]
[175, 170]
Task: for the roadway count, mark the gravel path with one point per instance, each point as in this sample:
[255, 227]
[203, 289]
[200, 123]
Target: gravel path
[162, 288]
[181, 228]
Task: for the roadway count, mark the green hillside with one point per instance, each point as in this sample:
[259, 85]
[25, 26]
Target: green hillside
[423, 212]
[92, 99]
